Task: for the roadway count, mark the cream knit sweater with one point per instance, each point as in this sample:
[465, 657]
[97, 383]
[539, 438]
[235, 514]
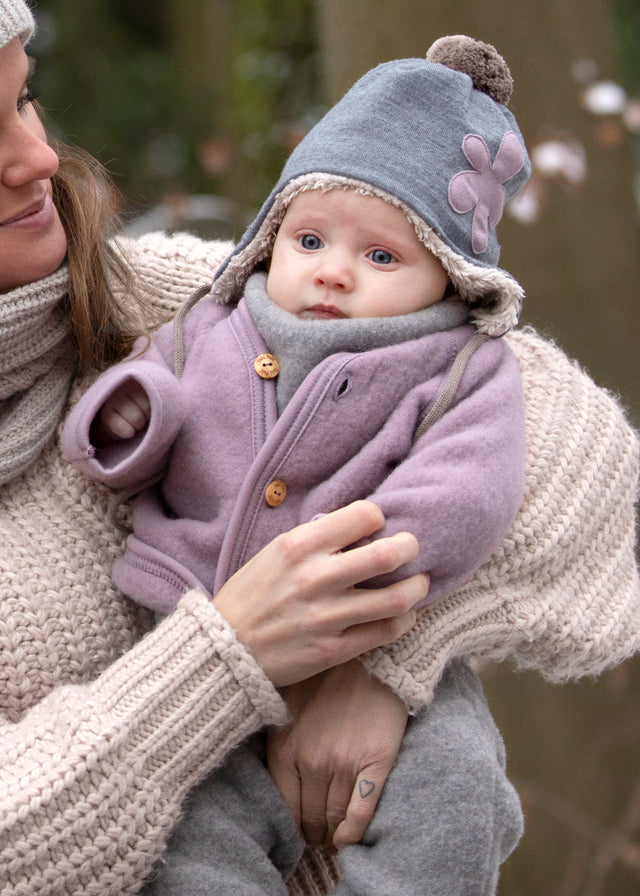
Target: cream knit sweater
[102, 734]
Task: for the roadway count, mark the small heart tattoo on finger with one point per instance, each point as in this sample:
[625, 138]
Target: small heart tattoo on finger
[366, 788]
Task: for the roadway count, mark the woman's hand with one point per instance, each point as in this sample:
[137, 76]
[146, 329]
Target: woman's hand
[332, 761]
[295, 604]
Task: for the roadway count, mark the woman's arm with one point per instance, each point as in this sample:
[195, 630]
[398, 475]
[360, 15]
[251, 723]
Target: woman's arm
[167, 269]
[544, 596]
[561, 594]
[92, 777]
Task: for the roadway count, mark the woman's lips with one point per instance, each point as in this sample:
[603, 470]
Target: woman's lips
[34, 217]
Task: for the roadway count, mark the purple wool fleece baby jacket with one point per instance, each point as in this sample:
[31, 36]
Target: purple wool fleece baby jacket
[432, 136]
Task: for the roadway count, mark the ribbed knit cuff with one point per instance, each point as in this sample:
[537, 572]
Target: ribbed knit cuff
[455, 629]
[191, 694]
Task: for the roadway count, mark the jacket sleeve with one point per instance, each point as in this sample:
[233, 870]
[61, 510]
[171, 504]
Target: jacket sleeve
[460, 487]
[92, 777]
[175, 267]
[167, 270]
[130, 462]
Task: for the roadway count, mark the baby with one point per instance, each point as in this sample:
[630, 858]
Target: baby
[337, 420]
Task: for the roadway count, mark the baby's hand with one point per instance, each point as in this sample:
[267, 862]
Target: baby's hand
[125, 413]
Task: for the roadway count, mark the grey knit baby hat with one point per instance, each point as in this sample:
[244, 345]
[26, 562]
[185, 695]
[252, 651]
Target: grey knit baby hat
[432, 136]
[16, 20]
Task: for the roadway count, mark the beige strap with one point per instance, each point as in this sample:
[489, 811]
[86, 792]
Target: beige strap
[451, 385]
[178, 325]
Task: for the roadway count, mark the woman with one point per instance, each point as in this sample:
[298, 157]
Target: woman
[104, 733]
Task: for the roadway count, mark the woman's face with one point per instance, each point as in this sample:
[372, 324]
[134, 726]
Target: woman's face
[32, 240]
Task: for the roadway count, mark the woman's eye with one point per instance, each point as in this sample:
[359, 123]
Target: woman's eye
[310, 242]
[379, 256]
[25, 99]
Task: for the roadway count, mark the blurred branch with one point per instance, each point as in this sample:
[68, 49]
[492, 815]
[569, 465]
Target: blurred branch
[586, 875]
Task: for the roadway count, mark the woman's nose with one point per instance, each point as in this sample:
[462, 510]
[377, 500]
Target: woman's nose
[29, 157]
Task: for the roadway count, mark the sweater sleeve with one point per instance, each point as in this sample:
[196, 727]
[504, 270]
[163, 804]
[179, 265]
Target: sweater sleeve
[93, 775]
[168, 269]
[561, 593]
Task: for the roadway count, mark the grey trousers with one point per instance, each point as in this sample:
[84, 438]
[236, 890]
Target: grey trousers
[448, 817]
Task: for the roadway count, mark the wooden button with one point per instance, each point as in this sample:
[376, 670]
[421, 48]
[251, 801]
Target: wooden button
[266, 366]
[275, 493]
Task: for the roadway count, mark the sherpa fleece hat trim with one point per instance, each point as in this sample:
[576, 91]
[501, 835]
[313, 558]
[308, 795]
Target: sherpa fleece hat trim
[16, 20]
[473, 283]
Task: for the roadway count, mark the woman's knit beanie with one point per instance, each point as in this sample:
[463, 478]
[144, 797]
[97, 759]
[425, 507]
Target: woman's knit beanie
[432, 136]
[16, 20]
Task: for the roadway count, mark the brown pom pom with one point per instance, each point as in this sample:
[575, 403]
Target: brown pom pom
[482, 62]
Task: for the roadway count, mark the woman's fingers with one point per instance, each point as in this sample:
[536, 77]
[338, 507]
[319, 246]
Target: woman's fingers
[284, 771]
[338, 800]
[328, 537]
[337, 530]
[312, 651]
[309, 614]
[313, 810]
[376, 558]
[361, 605]
[334, 649]
[360, 810]
[333, 759]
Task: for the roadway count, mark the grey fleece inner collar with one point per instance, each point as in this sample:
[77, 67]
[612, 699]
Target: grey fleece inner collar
[300, 344]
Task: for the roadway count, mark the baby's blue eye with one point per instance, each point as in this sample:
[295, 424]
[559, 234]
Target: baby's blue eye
[310, 242]
[379, 256]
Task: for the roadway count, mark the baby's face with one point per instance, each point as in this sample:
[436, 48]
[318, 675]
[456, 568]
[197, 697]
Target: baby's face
[344, 254]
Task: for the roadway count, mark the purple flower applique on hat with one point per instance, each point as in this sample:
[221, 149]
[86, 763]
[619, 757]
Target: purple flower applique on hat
[482, 188]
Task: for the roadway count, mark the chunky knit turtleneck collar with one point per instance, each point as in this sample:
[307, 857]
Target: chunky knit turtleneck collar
[37, 363]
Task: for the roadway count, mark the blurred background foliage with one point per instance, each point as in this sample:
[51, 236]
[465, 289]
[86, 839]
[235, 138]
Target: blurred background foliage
[194, 99]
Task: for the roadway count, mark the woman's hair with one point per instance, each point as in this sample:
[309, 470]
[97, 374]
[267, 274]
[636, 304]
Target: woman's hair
[105, 320]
